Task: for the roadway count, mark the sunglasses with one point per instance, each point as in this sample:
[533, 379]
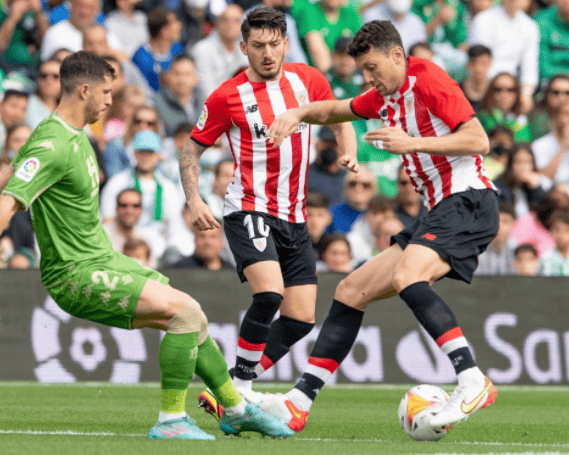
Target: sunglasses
[134, 206]
[138, 121]
[504, 89]
[353, 184]
[46, 75]
[559, 92]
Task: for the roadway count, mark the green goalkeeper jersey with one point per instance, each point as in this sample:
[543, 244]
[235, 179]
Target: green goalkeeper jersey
[56, 173]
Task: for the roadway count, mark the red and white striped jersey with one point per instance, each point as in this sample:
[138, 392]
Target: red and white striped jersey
[267, 179]
[429, 103]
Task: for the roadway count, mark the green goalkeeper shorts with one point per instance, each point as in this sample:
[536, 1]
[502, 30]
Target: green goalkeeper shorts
[104, 290]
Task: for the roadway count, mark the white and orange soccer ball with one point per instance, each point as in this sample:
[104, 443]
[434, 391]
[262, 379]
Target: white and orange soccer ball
[416, 410]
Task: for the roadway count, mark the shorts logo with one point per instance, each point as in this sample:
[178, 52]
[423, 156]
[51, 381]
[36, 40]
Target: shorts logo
[428, 236]
[203, 118]
[28, 169]
[260, 244]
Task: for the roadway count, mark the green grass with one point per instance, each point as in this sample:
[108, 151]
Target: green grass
[82, 419]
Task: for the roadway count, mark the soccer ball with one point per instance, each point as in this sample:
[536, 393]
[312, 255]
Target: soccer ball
[417, 408]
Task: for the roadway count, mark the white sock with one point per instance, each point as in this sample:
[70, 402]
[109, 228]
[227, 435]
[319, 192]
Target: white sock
[299, 399]
[243, 383]
[237, 410]
[164, 416]
[473, 378]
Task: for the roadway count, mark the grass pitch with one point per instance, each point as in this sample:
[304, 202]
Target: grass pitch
[82, 419]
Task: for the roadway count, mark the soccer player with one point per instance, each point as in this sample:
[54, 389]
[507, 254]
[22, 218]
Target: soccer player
[56, 174]
[426, 119]
[264, 214]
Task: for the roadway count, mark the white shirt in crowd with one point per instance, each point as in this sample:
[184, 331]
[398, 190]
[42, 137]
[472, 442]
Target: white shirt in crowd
[132, 32]
[544, 149]
[171, 207]
[64, 35]
[514, 42]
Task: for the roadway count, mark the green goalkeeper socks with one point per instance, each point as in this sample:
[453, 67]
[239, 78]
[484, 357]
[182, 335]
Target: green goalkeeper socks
[177, 359]
[211, 367]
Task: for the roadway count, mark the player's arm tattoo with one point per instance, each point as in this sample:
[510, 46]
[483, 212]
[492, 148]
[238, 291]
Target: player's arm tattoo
[189, 168]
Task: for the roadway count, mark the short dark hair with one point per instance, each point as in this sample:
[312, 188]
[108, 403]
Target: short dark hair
[381, 204]
[525, 247]
[183, 57]
[157, 19]
[504, 207]
[317, 200]
[134, 243]
[336, 237]
[266, 19]
[561, 216]
[478, 50]
[81, 67]
[415, 47]
[12, 93]
[128, 190]
[381, 35]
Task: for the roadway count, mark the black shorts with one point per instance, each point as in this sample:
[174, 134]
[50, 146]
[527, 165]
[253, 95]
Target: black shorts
[256, 236]
[459, 228]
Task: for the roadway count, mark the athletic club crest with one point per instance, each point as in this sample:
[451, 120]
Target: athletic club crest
[302, 98]
[260, 244]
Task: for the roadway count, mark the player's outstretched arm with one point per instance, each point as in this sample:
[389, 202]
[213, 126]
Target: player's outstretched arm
[8, 207]
[318, 113]
[468, 139]
[200, 214]
[347, 145]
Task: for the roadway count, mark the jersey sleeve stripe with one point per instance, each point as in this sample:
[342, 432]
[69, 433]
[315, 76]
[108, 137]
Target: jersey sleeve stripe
[355, 113]
[201, 144]
[25, 205]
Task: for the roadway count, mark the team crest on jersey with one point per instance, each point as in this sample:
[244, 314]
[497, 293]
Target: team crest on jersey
[260, 244]
[302, 98]
[28, 169]
[203, 118]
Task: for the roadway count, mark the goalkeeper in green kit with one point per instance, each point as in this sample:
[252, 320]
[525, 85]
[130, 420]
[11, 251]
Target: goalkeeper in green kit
[56, 175]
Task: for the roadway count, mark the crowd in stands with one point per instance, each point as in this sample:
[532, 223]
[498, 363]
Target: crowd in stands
[510, 57]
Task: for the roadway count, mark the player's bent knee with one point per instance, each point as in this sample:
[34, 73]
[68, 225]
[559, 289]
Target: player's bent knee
[401, 279]
[189, 318]
[348, 293]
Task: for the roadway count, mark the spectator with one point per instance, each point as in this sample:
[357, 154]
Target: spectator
[553, 23]
[68, 33]
[410, 26]
[208, 246]
[533, 228]
[526, 261]
[367, 228]
[344, 77]
[555, 262]
[551, 150]
[409, 207]
[336, 255]
[139, 250]
[476, 83]
[387, 229]
[42, 103]
[556, 93]
[502, 106]
[12, 110]
[318, 218]
[95, 39]
[218, 56]
[121, 111]
[22, 28]
[425, 51]
[223, 177]
[161, 202]
[16, 136]
[501, 142]
[446, 28]
[521, 185]
[155, 56]
[180, 100]
[128, 25]
[513, 38]
[60, 54]
[22, 260]
[358, 193]
[123, 226]
[320, 24]
[498, 259]
[119, 155]
[325, 173]
[6, 250]
[295, 52]
[477, 6]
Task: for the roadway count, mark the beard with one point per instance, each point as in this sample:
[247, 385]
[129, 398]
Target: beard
[92, 112]
[269, 74]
